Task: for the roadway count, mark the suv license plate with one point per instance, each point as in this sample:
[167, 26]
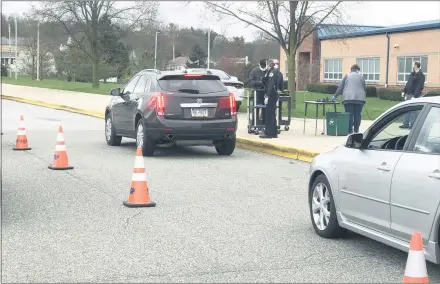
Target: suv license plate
[199, 112]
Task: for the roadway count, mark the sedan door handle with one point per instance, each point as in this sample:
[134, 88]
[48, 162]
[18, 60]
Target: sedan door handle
[384, 167]
[435, 174]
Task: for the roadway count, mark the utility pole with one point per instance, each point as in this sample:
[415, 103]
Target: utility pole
[10, 50]
[174, 54]
[16, 48]
[155, 51]
[38, 51]
[209, 45]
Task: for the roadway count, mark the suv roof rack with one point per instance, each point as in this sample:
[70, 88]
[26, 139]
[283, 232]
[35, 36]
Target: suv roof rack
[152, 70]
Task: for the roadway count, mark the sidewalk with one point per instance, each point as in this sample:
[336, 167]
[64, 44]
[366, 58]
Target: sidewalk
[292, 144]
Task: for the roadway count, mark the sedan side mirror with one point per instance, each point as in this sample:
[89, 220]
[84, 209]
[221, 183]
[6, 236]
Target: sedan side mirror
[115, 92]
[354, 140]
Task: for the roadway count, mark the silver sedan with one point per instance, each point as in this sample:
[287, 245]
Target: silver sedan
[384, 183]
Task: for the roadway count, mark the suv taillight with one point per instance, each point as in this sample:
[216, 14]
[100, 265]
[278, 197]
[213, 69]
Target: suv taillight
[230, 103]
[160, 104]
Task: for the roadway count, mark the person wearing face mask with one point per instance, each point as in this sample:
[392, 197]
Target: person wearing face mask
[413, 89]
[255, 79]
[274, 83]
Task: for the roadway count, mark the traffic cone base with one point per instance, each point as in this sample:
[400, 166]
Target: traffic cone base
[60, 160]
[60, 169]
[21, 143]
[139, 195]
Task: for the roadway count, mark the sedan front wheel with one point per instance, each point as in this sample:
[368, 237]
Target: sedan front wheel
[323, 210]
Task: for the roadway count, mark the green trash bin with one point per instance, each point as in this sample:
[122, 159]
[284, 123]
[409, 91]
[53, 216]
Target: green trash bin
[337, 123]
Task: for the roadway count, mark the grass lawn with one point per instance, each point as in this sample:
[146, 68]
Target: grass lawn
[372, 109]
[104, 89]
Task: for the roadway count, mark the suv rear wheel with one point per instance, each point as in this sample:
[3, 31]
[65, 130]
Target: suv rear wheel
[110, 134]
[142, 140]
[226, 147]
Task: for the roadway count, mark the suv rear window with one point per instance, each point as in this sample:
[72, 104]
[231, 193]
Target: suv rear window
[201, 84]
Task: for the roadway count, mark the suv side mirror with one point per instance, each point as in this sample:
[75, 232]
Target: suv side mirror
[115, 92]
[354, 140]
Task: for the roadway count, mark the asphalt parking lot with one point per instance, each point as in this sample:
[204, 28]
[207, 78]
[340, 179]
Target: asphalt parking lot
[242, 218]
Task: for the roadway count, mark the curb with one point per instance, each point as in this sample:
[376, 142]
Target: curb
[243, 143]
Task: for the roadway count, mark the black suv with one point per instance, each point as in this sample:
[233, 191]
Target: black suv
[168, 108]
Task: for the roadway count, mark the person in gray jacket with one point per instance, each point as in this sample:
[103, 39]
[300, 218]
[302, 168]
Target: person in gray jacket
[354, 95]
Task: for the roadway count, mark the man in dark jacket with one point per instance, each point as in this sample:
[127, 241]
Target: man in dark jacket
[413, 89]
[273, 82]
[255, 79]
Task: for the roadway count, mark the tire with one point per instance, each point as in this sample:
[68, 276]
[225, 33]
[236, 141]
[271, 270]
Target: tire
[110, 132]
[332, 228]
[226, 147]
[147, 144]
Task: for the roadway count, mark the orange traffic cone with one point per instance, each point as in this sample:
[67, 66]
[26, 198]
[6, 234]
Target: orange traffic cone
[139, 196]
[22, 142]
[60, 161]
[415, 271]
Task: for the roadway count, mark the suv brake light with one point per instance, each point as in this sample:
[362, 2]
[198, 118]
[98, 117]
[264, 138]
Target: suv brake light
[229, 102]
[193, 75]
[158, 102]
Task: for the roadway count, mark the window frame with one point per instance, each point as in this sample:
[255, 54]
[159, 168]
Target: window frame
[419, 125]
[374, 81]
[381, 124]
[340, 62]
[146, 82]
[134, 78]
[412, 63]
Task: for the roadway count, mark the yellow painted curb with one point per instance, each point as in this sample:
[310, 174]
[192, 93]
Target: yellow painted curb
[56, 106]
[243, 143]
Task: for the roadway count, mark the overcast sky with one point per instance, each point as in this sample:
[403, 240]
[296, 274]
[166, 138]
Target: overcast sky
[382, 13]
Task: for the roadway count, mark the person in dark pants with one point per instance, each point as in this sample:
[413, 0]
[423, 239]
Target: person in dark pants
[354, 95]
[413, 89]
[273, 81]
[255, 78]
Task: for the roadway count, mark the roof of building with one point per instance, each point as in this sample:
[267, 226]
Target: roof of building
[329, 30]
[425, 25]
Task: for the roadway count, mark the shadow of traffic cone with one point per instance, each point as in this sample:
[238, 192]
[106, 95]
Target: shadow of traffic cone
[60, 161]
[139, 196]
[22, 142]
[415, 271]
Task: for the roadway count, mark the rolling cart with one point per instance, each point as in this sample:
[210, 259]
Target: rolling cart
[254, 123]
[284, 99]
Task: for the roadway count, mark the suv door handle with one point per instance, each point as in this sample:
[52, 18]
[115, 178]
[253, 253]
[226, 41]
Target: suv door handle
[384, 167]
[435, 174]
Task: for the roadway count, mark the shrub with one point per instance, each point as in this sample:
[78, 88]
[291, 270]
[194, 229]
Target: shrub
[322, 88]
[433, 93]
[4, 71]
[371, 92]
[389, 94]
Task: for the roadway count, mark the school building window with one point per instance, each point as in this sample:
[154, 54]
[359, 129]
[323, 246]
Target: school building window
[332, 69]
[405, 67]
[369, 68]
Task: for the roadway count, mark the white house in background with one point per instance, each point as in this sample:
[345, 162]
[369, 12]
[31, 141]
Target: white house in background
[18, 63]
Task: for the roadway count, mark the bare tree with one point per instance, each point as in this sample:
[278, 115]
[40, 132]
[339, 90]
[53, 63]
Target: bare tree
[82, 20]
[287, 22]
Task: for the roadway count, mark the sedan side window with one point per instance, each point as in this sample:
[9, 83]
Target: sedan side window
[393, 136]
[428, 140]
[129, 88]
